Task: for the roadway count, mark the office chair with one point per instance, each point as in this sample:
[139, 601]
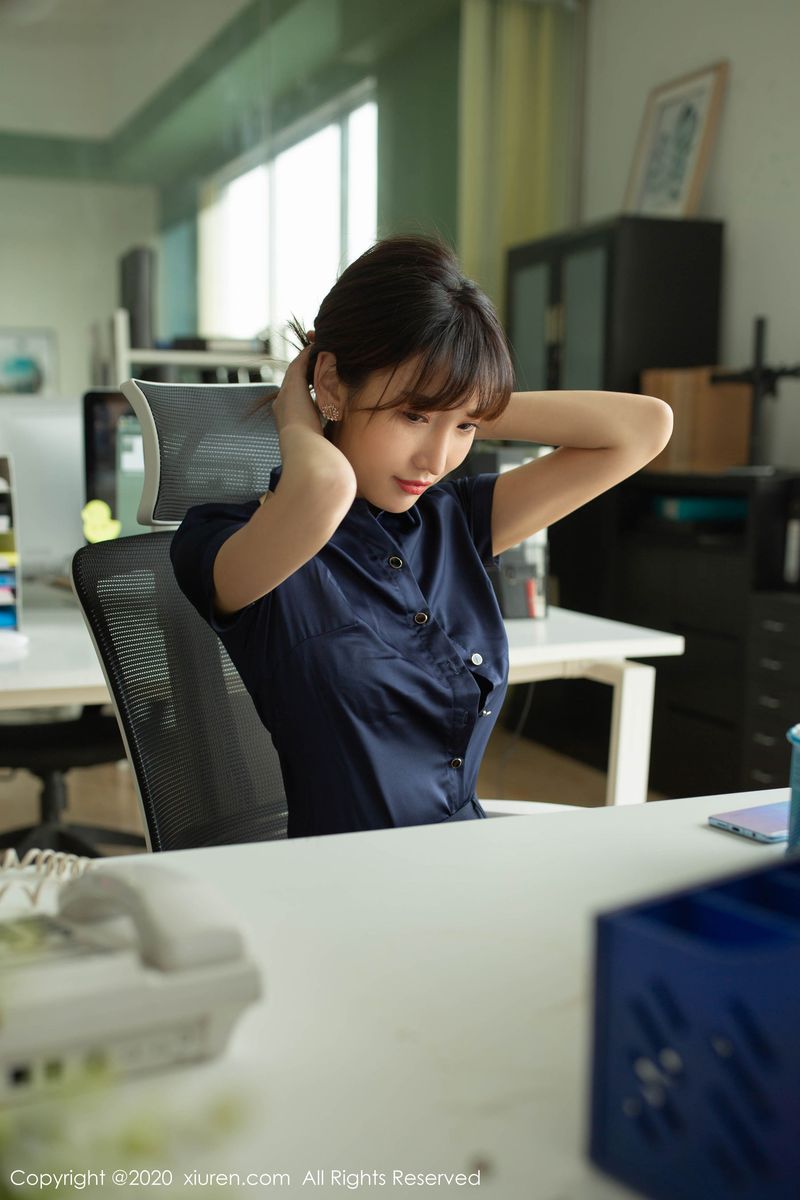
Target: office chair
[205, 768]
[48, 749]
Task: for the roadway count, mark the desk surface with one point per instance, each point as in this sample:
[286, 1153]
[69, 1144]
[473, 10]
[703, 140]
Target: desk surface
[61, 666]
[428, 997]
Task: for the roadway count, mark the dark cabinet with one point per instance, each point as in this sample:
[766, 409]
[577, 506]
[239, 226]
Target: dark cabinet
[702, 556]
[714, 542]
[593, 307]
[773, 688]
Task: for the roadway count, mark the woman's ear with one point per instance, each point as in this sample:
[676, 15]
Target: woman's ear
[328, 388]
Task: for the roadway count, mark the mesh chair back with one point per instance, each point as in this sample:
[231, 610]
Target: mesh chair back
[206, 770]
[202, 442]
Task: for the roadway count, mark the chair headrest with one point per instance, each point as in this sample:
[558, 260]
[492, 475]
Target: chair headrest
[202, 442]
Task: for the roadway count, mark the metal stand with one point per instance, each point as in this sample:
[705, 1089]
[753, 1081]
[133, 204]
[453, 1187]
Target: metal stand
[764, 381]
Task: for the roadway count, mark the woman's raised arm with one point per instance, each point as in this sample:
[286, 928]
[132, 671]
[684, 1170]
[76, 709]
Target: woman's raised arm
[317, 487]
[603, 437]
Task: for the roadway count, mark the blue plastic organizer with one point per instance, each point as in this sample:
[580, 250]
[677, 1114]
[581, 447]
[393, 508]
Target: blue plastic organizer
[696, 1073]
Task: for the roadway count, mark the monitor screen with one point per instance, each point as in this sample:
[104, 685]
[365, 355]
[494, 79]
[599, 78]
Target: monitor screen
[42, 437]
[114, 465]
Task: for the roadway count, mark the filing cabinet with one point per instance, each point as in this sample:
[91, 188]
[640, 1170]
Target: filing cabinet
[773, 688]
[722, 709]
[592, 307]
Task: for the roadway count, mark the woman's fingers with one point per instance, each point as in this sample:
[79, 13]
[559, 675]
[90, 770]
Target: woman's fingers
[293, 402]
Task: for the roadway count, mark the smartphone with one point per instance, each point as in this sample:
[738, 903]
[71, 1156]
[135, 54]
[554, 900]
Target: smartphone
[767, 823]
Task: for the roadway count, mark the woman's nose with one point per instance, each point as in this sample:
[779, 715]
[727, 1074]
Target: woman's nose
[432, 455]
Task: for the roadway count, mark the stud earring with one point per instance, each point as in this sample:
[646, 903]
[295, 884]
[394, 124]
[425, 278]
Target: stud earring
[330, 412]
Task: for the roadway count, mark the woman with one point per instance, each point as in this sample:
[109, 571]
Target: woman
[353, 597]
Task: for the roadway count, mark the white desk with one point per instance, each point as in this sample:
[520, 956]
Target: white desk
[573, 645]
[428, 1000]
[61, 668]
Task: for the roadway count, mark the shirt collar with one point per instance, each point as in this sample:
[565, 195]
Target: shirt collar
[410, 519]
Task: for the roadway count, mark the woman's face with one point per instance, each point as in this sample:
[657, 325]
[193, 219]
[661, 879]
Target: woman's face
[397, 453]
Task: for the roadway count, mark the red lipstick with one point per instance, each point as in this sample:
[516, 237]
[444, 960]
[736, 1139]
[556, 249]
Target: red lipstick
[412, 487]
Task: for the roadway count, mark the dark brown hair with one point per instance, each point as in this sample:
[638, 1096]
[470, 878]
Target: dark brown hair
[406, 296]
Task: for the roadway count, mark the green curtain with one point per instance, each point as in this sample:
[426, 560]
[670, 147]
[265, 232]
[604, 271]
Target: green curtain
[518, 109]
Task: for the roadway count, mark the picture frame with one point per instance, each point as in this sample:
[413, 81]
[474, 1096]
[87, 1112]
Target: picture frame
[674, 144]
[28, 361]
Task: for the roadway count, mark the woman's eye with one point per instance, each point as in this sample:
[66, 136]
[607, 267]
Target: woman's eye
[414, 417]
[469, 426]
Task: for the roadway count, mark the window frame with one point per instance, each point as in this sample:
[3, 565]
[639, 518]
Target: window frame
[335, 112]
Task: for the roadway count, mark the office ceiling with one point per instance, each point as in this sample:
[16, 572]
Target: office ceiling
[82, 68]
[165, 92]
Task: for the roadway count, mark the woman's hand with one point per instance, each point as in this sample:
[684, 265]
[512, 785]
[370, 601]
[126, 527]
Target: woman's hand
[309, 458]
[293, 404]
[316, 490]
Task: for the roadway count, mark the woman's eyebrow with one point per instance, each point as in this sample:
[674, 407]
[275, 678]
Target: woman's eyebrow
[412, 394]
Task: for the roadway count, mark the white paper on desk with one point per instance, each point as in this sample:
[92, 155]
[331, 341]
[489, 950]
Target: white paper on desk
[13, 645]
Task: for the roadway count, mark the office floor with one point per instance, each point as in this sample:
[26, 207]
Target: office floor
[523, 771]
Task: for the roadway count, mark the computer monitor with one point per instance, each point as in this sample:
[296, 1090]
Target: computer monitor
[43, 437]
[114, 460]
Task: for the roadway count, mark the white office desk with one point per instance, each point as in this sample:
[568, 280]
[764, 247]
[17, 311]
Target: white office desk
[61, 668]
[573, 645]
[428, 1000]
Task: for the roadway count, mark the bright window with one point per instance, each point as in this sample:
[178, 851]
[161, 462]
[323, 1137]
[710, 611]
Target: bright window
[273, 238]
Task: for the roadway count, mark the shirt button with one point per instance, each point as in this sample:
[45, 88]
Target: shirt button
[485, 712]
[395, 562]
[477, 659]
[421, 618]
[456, 762]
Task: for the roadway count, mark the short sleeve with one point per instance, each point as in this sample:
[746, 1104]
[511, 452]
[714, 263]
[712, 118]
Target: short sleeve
[195, 545]
[475, 494]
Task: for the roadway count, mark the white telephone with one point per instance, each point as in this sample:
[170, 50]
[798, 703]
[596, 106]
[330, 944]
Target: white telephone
[140, 969]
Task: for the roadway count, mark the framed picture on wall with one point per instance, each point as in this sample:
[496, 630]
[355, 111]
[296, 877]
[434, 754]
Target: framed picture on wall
[674, 145]
[28, 361]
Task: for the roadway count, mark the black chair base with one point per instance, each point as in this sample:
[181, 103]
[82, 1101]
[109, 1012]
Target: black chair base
[68, 839]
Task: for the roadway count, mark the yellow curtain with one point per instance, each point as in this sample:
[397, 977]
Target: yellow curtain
[518, 106]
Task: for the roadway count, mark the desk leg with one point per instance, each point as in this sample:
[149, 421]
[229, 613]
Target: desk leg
[631, 728]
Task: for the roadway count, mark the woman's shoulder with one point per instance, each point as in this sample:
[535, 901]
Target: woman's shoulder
[215, 511]
[463, 509]
[464, 492]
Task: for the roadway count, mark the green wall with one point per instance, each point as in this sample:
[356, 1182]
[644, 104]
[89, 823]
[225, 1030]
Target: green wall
[274, 63]
[416, 73]
[177, 279]
[418, 133]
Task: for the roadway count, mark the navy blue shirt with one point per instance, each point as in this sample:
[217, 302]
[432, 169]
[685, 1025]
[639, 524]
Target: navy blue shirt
[379, 666]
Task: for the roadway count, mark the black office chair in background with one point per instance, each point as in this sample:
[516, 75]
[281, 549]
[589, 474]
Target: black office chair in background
[204, 765]
[48, 749]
